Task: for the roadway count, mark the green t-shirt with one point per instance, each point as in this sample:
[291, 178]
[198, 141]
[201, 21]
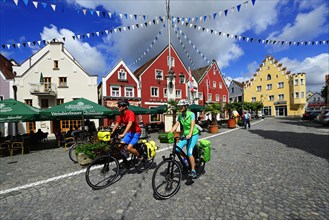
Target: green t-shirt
[186, 122]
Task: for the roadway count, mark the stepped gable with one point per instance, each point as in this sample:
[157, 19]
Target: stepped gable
[6, 67]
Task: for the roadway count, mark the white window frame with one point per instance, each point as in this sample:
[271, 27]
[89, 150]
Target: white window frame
[302, 81]
[209, 97]
[156, 73]
[132, 92]
[217, 98]
[214, 84]
[269, 87]
[259, 88]
[178, 93]
[302, 95]
[154, 91]
[200, 94]
[165, 93]
[220, 85]
[271, 98]
[172, 61]
[118, 92]
[296, 82]
[280, 85]
[122, 73]
[253, 99]
[224, 98]
[281, 97]
[296, 95]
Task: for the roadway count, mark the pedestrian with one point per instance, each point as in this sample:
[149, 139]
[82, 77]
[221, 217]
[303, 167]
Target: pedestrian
[247, 118]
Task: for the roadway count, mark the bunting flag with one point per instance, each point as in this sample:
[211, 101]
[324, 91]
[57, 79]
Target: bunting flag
[254, 40]
[150, 47]
[191, 87]
[214, 15]
[84, 11]
[81, 36]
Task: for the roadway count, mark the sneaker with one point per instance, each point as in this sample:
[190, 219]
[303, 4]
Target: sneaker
[192, 174]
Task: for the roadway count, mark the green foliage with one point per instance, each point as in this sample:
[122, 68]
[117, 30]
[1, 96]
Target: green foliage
[214, 109]
[324, 92]
[92, 149]
[240, 106]
[173, 108]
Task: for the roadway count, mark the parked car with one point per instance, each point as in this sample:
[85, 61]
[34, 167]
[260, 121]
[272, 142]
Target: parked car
[311, 114]
[256, 116]
[324, 117]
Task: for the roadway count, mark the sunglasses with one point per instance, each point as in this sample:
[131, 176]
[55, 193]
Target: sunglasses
[120, 106]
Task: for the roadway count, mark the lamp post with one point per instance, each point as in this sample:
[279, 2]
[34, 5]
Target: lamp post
[171, 76]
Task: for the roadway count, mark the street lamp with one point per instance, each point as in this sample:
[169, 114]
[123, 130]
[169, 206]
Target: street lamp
[171, 76]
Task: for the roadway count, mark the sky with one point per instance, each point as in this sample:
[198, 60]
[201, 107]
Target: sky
[106, 31]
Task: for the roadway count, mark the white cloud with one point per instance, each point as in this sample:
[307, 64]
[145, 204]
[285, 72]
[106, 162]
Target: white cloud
[306, 26]
[315, 68]
[89, 57]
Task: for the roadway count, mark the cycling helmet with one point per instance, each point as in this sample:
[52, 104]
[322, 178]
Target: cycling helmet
[123, 102]
[183, 102]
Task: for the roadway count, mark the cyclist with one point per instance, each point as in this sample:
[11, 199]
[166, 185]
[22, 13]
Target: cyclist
[187, 119]
[132, 131]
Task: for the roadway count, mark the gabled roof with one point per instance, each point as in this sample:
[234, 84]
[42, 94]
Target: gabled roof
[238, 83]
[199, 73]
[6, 67]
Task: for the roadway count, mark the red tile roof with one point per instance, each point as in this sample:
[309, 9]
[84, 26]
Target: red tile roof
[6, 67]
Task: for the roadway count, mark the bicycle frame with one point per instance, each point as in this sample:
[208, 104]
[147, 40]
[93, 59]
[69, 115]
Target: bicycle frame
[180, 154]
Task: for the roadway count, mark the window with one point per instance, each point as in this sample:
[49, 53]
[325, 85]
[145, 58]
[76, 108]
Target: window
[281, 96]
[220, 85]
[268, 77]
[217, 98]
[302, 81]
[253, 99]
[280, 84]
[172, 61]
[122, 75]
[296, 82]
[178, 93]
[271, 97]
[115, 91]
[154, 92]
[200, 96]
[165, 92]
[224, 98]
[302, 94]
[129, 92]
[209, 97]
[47, 83]
[1, 97]
[259, 88]
[62, 82]
[59, 101]
[232, 90]
[28, 101]
[56, 67]
[214, 84]
[44, 103]
[269, 87]
[158, 73]
[296, 95]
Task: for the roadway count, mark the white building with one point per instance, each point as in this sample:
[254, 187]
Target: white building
[50, 77]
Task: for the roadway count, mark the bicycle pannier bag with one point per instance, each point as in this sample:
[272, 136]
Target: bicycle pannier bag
[166, 137]
[205, 150]
[151, 149]
[104, 135]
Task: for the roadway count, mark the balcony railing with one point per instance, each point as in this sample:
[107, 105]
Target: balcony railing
[43, 89]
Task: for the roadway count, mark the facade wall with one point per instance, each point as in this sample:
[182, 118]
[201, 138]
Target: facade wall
[275, 87]
[79, 84]
[235, 93]
[6, 87]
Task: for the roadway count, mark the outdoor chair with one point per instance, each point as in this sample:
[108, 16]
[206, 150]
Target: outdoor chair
[69, 141]
[17, 145]
[5, 146]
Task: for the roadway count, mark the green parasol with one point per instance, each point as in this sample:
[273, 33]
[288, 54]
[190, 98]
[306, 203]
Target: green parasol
[12, 110]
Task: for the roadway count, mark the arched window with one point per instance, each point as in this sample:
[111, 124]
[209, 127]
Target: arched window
[268, 77]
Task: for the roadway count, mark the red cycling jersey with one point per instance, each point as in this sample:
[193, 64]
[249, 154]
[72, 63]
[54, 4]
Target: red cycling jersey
[127, 117]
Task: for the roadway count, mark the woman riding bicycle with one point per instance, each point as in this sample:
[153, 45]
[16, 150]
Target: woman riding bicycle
[187, 119]
[132, 132]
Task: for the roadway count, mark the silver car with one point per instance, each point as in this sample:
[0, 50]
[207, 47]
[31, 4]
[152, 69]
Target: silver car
[324, 117]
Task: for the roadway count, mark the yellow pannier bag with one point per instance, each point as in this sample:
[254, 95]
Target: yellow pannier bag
[151, 147]
[104, 135]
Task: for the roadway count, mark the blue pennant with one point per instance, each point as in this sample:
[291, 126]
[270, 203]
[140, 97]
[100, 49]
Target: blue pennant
[25, 1]
[253, 2]
[238, 7]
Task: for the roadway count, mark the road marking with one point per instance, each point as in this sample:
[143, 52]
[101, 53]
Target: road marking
[84, 170]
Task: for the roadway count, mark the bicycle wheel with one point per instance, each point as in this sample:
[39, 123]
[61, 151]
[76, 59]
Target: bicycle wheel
[199, 167]
[72, 153]
[102, 172]
[143, 165]
[166, 179]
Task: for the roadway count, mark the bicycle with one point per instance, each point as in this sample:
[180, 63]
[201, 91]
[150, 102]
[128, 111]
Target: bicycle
[103, 170]
[171, 171]
[81, 137]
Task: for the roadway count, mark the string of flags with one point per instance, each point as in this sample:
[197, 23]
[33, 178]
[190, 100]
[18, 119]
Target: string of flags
[215, 15]
[251, 39]
[82, 36]
[85, 11]
[150, 47]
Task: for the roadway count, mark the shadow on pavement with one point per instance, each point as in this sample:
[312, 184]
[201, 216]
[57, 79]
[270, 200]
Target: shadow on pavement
[315, 144]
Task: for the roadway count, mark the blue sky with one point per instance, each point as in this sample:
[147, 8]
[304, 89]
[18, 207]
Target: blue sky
[279, 20]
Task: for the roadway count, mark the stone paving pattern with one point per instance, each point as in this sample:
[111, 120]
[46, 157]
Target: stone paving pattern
[278, 169]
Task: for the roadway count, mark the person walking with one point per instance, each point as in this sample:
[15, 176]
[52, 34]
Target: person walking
[247, 118]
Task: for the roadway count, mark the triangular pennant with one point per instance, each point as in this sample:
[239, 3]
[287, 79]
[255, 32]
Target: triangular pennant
[110, 14]
[214, 15]
[39, 42]
[35, 4]
[253, 2]
[135, 16]
[104, 13]
[53, 7]
[84, 11]
[91, 12]
[226, 12]
[238, 7]
[98, 13]
[44, 4]
[16, 2]
[26, 2]
[126, 16]
[18, 45]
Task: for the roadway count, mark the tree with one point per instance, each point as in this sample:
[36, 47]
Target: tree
[173, 108]
[214, 109]
[324, 93]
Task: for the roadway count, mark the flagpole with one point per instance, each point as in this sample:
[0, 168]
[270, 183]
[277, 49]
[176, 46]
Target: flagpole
[168, 24]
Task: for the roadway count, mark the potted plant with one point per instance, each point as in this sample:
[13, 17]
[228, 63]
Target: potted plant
[214, 109]
[88, 151]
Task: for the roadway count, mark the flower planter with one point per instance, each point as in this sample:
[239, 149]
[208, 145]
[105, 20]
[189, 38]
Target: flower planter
[213, 129]
[83, 159]
[231, 123]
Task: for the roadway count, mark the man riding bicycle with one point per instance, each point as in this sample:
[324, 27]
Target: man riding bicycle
[187, 119]
[132, 131]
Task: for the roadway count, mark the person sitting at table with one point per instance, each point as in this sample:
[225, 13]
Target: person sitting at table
[69, 132]
[39, 135]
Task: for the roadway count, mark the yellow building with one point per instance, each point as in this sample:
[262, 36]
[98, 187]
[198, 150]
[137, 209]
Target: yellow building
[282, 93]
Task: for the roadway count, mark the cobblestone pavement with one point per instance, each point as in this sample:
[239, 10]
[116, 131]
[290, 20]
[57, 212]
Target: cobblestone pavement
[278, 169]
